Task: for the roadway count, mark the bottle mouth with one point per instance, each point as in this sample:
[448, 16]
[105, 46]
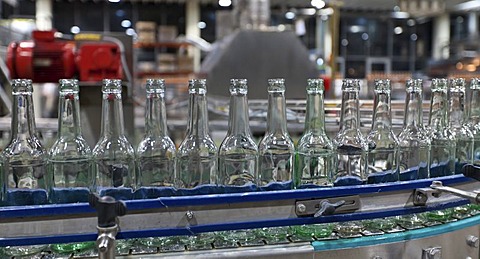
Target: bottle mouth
[351, 85]
[198, 86]
[475, 83]
[457, 85]
[414, 86]
[315, 86]
[382, 86]
[238, 86]
[112, 85]
[20, 86]
[155, 86]
[276, 85]
[68, 85]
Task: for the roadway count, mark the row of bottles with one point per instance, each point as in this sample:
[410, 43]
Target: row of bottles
[419, 151]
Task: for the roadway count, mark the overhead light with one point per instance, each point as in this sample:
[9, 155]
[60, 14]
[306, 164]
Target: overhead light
[474, 4]
[114, 1]
[398, 30]
[224, 3]
[290, 15]
[75, 29]
[201, 25]
[400, 15]
[126, 23]
[130, 32]
[318, 3]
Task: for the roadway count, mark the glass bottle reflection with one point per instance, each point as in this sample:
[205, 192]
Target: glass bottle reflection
[114, 156]
[442, 149]
[238, 152]
[70, 157]
[315, 154]
[474, 118]
[351, 145]
[382, 142]
[276, 149]
[156, 151]
[197, 154]
[413, 140]
[462, 134]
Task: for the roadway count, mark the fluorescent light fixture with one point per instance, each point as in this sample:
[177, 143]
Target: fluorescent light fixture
[474, 4]
[400, 15]
[224, 3]
[114, 1]
[318, 3]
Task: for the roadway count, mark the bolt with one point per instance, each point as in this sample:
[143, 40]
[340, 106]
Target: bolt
[190, 215]
[421, 198]
[473, 241]
[301, 207]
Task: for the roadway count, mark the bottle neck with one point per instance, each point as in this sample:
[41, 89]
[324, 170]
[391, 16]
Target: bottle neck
[413, 110]
[197, 115]
[438, 111]
[475, 106]
[112, 115]
[156, 115]
[276, 115]
[381, 112]
[457, 109]
[238, 115]
[350, 114]
[69, 115]
[23, 119]
[315, 114]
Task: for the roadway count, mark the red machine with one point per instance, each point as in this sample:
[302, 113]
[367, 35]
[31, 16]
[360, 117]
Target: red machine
[48, 59]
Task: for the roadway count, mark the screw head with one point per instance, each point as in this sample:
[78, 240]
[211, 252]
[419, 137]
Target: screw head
[301, 207]
[473, 241]
[190, 215]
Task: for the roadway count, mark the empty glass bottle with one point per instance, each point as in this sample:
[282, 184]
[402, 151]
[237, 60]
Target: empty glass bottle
[197, 154]
[315, 154]
[413, 140]
[351, 145]
[463, 135]
[442, 149]
[113, 155]
[70, 157]
[24, 158]
[382, 142]
[156, 151]
[474, 118]
[237, 155]
[276, 149]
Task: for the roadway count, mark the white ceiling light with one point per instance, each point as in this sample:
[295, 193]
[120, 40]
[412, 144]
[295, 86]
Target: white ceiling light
[126, 23]
[130, 32]
[75, 29]
[398, 30]
[114, 1]
[318, 3]
[224, 3]
[289, 15]
[201, 25]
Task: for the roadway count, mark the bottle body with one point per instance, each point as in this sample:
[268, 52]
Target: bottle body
[349, 142]
[24, 158]
[197, 154]
[113, 155]
[474, 118]
[156, 151]
[462, 134]
[315, 152]
[237, 155]
[442, 148]
[382, 142]
[413, 141]
[276, 149]
[70, 157]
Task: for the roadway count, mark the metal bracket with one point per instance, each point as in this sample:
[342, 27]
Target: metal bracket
[420, 195]
[327, 206]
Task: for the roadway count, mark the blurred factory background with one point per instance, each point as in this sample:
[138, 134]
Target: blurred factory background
[221, 39]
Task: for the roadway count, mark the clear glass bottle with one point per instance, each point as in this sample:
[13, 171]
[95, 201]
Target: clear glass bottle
[315, 153]
[70, 157]
[24, 158]
[413, 140]
[442, 148]
[197, 154]
[474, 118]
[382, 142]
[463, 135]
[276, 149]
[156, 152]
[237, 155]
[351, 145]
[113, 155]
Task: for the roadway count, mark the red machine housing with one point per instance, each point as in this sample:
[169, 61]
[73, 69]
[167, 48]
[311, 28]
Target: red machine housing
[44, 59]
[96, 61]
[48, 59]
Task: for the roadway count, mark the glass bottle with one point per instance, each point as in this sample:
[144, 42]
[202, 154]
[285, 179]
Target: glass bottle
[237, 155]
[113, 155]
[70, 157]
[197, 154]
[351, 145]
[474, 118]
[276, 149]
[413, 140]
[156, 151]
[463, 135]
[442, 149]
[382, 142]
[24, 158]
[315, 154]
